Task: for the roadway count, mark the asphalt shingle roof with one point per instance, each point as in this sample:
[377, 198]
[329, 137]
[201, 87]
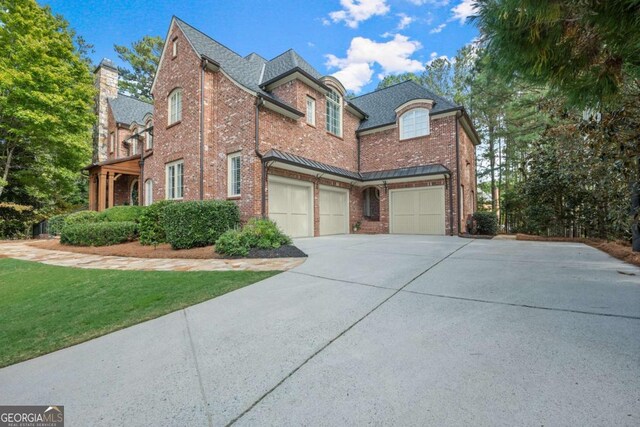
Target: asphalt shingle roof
[284, 63]
[380, 105]
[128, 110]
[292, 159]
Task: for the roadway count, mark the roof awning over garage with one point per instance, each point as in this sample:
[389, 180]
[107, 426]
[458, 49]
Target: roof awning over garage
[300, 164]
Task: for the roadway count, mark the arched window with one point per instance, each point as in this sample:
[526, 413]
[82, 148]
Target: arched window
[371, 206]
[148, 192]
[334, 113]
[414, 123]
[175, 106]
[149, 138]
[134, 193]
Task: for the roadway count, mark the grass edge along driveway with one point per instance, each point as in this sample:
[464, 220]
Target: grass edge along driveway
[45, 308]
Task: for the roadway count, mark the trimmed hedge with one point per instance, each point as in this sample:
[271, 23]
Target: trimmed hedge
[82, 217]
[486, 223]
[122, 214]
[56, 223]
[257, 233]
[151, 223]
[98, 233]
[199, 223]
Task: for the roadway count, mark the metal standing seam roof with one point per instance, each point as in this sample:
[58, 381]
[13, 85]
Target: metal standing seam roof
[381, 104]
[294, 160]
[128, 110]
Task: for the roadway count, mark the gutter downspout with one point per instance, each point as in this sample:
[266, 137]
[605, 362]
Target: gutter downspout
[358, 141]
[263, 178]
[450, 205]
[458, 114]
[204, 65]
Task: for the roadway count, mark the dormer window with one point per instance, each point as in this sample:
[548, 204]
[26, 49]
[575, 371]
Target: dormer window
[175, 106]
[149, 138]
[334, 113]
[414, 123]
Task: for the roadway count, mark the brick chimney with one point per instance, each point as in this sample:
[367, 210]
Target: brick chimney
[106, 82]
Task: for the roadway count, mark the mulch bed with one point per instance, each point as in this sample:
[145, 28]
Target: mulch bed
[136, 250]
[617, 249]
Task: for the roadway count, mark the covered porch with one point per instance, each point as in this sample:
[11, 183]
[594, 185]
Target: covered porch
[114, 183]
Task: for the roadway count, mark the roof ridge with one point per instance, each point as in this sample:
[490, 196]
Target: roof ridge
[281, 54]
[209, 37]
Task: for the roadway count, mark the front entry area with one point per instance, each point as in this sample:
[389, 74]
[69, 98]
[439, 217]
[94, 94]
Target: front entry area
[334, 211]
[417, 211]
[291, 206]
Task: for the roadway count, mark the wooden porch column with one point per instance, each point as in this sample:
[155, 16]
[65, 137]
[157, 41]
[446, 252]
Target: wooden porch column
[92, 192]
[102, 191]
[112, 183]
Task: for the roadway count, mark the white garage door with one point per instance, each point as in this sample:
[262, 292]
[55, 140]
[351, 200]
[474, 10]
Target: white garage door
[290, 206]
[417, 211]
[334, 211]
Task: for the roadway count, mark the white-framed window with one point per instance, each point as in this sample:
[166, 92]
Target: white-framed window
[174, 47]
[233, 174]
[311, 111]
[112, 142]
[149, 138]
[175, 182]
[148, 192]
[133, 144]
[414, 123]
[334, 113]
[175, 106]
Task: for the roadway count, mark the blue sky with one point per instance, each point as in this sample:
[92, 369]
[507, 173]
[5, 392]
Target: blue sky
[359, 41]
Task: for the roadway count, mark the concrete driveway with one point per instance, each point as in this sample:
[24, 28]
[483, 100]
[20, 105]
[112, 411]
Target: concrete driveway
[384, 330]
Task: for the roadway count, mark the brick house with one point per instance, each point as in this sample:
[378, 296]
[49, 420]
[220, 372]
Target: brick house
[283, 141]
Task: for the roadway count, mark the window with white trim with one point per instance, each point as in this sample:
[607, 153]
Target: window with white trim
[174, 47]
[311, 111]
[175, 106]
[334, 113]
[148, 192]
[175, 182]
[133, 146]
[112, 142]
[414, 123]
[149, 138]
[233, 174]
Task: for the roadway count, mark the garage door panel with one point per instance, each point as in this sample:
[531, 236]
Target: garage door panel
[290, 207]
[417, 211]
[334, 212]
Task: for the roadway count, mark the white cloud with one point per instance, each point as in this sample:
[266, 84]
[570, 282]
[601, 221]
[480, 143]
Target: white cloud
[393, 56]
[405, 21]
[355, 11]
[433, 2]
[434, 55]
[462, 11]
[437, 29]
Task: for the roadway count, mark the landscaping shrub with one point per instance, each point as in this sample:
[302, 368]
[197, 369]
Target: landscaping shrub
[82, 217]
[257, 233]
[232, 243]
[16, 220]
[98, 233]
[199, 223]
[151, 223]
[486, 223]
[122, 214]
[264, 234]
[56, 223]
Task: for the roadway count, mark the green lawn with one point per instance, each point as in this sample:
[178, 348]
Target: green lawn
[45, 308]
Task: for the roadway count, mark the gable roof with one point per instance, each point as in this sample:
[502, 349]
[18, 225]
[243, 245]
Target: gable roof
[127, 110]
[381, 104]
[285, 63]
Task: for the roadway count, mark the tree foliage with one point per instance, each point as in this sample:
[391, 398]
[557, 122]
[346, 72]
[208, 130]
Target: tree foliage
[45, 108]
[143, 58]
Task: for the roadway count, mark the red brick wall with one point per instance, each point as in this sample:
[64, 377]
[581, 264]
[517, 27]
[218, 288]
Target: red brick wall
[181, 140]
[467, 174]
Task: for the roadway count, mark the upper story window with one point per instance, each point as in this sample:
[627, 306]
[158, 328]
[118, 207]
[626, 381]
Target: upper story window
[233, 174]
[133, 144]
[175, 183]
[414, 123]
[112, 142]
[334, 113]
[311, 111]
[149, 138]
[174, 47]
[175, 106]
